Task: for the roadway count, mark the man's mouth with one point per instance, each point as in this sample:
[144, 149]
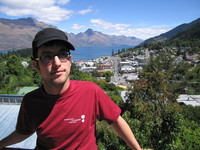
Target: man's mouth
[59, 72]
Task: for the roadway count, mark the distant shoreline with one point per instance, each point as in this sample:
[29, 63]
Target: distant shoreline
[89, 53]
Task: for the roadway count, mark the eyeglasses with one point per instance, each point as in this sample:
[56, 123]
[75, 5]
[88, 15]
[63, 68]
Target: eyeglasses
[48, 58]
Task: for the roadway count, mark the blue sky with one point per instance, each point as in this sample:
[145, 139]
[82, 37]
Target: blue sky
[140, 18]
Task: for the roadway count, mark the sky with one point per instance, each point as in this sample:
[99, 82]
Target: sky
[139, 18]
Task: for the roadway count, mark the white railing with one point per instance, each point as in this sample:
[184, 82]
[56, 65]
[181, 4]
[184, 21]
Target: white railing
[11, 99]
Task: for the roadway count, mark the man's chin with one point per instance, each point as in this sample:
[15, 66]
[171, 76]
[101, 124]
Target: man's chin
[59, 81]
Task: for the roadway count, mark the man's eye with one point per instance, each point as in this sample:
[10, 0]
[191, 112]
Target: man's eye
[47, 57]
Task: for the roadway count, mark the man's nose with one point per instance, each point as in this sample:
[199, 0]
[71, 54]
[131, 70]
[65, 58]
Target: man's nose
[56, 61]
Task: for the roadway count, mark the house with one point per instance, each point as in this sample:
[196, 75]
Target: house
[104, 67]
[88, 69]
[127, 69]
[131, 77]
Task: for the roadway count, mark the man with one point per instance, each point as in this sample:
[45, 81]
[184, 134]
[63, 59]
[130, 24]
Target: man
[63, 112]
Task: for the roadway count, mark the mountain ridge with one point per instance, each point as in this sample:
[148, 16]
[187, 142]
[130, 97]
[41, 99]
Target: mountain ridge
[19, 33]
[172, 33]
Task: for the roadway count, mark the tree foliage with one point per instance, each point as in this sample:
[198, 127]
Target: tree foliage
[14, 75]
[151, 110]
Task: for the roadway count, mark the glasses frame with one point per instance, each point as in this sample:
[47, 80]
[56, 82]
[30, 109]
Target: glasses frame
[62, 59]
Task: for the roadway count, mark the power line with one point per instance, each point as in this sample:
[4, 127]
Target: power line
[184, 82]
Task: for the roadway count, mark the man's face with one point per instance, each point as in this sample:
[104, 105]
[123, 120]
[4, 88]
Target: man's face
[55, 72]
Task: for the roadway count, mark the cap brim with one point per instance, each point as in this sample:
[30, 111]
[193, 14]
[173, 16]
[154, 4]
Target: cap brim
[71, 47]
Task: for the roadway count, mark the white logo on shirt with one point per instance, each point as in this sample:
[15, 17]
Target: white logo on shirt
[73, 120]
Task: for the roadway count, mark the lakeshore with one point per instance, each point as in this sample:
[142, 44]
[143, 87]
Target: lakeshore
[89, 53]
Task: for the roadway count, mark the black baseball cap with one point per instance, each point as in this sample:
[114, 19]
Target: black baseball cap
[49, 34]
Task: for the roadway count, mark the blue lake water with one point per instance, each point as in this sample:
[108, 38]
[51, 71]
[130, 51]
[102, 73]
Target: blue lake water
[88, 53]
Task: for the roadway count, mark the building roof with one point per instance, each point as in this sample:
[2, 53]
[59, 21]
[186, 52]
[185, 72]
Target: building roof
[8, 119]
[193, 100]
[25, 90]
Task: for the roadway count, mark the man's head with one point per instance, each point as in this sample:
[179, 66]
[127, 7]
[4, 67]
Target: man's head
[48, 35]
[51, 57]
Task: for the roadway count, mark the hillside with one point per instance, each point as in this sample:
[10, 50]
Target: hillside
[19, 33]
[173, 33]
[193, 33]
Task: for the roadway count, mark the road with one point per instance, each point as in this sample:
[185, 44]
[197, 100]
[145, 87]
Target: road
[116, 79]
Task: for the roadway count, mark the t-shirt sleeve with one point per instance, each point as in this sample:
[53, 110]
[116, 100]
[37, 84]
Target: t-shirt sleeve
[23, 125]
[106, 109]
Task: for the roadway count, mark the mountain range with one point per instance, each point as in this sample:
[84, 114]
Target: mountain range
[95, 38]
[19, 33]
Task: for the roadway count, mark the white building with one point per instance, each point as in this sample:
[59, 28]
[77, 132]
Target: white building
[88, 69]
[127, 69]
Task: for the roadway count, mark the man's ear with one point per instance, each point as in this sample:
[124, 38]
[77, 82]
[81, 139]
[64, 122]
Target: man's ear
[70, 58]
[36, 66]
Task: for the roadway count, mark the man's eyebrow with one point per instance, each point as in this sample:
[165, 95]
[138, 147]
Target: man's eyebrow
[46, 52]
[50, 52]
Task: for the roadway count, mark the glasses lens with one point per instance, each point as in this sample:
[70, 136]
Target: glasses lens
[63, 55]
[47, 58]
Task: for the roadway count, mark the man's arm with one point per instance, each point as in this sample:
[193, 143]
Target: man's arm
[124, 131]
[13, 138]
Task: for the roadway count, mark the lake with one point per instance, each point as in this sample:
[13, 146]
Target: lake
[88, 53]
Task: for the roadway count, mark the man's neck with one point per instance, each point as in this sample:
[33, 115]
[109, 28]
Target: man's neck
[53, 89]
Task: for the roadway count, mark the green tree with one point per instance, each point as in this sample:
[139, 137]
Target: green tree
[152, 106]
[14, 66]
[191, 113]
[194, 74]
[107, 75]
[181, 70]
[2, 74]
[14, 75]
[113, 53]
[189, 136]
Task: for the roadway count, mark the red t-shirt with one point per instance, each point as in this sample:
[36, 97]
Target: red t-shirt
[66, 121]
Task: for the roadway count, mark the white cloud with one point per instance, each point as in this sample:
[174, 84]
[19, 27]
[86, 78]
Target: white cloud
[108, 25]
[78, 27]
[142, 33]
[62, 2]
[127, 30]
[53, 14]
[85, 11]
[48, 11]
[31, 4]
[53, 11]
